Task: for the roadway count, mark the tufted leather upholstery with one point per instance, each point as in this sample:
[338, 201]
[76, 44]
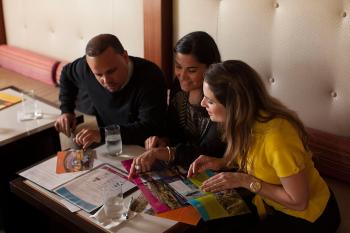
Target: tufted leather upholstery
[62, 28]
[301, 49]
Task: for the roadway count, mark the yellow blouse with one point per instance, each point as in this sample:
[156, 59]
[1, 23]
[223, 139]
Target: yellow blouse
[278, 152]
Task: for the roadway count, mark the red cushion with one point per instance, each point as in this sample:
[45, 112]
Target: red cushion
[28, 63]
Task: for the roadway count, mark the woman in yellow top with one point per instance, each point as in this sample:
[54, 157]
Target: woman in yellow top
[267, 143]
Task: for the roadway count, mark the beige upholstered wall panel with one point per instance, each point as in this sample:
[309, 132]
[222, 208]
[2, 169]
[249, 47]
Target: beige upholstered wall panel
[301, 49]
[195, 15]
[61, 28]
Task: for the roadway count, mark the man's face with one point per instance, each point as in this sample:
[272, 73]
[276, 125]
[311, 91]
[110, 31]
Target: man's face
[110, 68]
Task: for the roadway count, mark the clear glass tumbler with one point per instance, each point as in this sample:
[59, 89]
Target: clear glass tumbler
[113, 140]
[113, 200]
[30, 109]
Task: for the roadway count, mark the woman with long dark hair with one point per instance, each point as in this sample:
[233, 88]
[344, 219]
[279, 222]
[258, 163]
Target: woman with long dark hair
[189, 129]
[268, 147]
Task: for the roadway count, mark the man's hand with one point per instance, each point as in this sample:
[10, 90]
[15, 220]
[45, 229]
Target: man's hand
[86, 137]
[65, 123]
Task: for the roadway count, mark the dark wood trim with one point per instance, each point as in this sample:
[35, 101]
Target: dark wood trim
[2, 25]
[331, 154]
[158, 26]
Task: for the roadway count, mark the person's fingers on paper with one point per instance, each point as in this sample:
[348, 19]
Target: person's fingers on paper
[79, 137]
[146, 160]
[197, 166]
[132, 170]
[88, 136]
[88, 140]
[222, 181]
[213, 184]
[191, 171]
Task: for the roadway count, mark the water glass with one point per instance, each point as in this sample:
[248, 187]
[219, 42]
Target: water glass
[30, 109]
[113, 140]
[113, 200]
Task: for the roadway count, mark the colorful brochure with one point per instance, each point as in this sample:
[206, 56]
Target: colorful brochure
[169, 192]
[163, 199]
[75, 160]
[217, 205]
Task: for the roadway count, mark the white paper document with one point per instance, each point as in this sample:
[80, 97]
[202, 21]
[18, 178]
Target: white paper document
[86, 191]
[44, 174]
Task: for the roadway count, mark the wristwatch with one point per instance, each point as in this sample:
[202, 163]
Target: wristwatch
[255, 185]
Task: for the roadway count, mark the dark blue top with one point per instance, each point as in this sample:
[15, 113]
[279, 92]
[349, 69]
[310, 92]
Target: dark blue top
[139, 108]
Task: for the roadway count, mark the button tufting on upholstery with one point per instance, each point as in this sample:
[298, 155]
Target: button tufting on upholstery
[333, 94]
[344, 14]
[271, 79]
[277, 5]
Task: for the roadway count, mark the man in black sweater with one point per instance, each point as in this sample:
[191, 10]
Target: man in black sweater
[117, 89]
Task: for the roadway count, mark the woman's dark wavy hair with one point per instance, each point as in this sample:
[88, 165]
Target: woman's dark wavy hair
[241, 90]
[201, 45]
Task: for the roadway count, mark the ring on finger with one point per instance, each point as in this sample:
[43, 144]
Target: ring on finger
[137, 167]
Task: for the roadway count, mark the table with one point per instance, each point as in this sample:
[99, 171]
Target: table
[23, 143]
[66, 221]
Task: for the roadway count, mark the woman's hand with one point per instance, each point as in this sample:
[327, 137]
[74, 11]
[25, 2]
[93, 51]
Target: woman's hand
[225, 180]
[203, 163]
[144, 162]
[154, 142]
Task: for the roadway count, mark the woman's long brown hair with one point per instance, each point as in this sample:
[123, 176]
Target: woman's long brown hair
[240, 89]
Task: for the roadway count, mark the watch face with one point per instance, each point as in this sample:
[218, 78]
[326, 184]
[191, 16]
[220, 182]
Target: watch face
[255, 186]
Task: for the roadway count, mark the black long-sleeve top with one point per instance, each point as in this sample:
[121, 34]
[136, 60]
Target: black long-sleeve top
[190, 129]
[139, 108]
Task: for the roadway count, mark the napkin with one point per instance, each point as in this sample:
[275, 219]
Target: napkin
[108, 222]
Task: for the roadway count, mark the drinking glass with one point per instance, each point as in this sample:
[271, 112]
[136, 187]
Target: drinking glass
[113, 140]
[113, 202]
[30, 109]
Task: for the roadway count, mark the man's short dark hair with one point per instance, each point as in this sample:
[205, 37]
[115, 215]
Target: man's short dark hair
[100, 43]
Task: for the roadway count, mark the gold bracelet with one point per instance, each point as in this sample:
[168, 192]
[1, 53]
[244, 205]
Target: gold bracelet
[169, 153]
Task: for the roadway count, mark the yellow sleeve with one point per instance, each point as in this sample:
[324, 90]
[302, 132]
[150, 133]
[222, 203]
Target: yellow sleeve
[284, 150]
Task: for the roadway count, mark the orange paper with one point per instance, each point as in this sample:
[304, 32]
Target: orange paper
[187, 214]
